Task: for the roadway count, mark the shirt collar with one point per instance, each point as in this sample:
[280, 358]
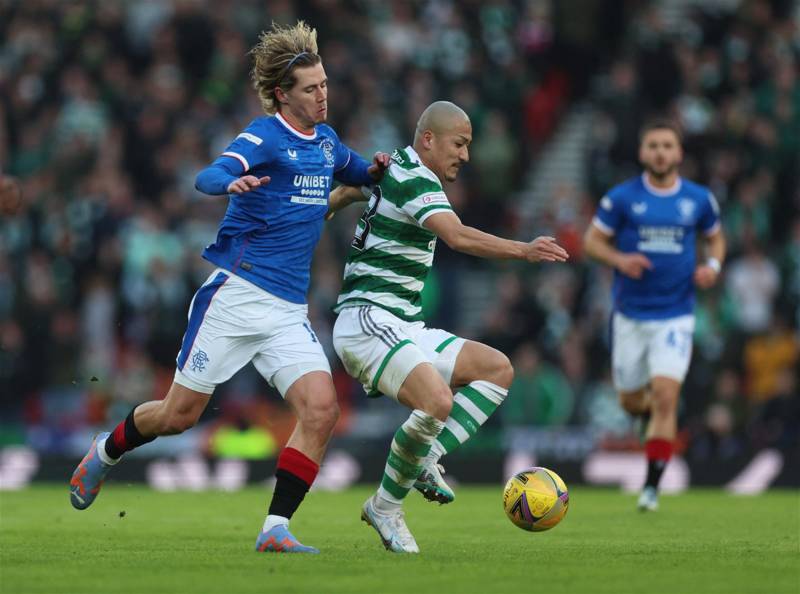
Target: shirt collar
[674, 189]
[412, 154]
[294, 130]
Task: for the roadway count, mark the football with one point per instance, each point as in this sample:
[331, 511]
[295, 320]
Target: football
[535, 499]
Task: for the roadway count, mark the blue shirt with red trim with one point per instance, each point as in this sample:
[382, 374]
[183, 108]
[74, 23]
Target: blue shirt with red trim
[662, 225]
[268, 235]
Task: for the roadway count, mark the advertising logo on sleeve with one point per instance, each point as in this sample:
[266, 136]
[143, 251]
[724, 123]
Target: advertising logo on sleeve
[437, 198]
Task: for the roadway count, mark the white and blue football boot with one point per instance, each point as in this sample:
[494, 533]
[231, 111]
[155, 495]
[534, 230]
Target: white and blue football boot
[278, 539]
[648, 500]
[392, 529]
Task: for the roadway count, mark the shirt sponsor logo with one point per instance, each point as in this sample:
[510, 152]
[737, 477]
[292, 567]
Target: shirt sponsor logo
[309, 200]
[660, 240]
[310, 192]
[251, 137]
[327, 150]
[311, 181]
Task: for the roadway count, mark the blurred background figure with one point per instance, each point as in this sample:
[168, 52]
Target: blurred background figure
[10, 195]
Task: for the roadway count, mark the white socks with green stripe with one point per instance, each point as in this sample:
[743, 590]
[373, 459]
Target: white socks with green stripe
[472, 405]
[410, 446]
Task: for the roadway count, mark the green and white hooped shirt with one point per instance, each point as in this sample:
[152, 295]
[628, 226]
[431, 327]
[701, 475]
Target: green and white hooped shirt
[392, 253]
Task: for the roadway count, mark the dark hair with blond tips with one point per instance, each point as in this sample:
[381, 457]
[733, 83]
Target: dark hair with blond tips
[661, 124]
[277, 54]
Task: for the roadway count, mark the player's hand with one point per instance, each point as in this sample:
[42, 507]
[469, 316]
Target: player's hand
[545, 249]
[380, 163]
[633, 264]
[10, 196]
[705, 277]
[247, 183]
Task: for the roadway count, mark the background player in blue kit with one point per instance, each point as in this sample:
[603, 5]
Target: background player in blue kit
[278, 173]
[646, 230]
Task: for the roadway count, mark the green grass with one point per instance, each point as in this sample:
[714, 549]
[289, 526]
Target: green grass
[704, 542]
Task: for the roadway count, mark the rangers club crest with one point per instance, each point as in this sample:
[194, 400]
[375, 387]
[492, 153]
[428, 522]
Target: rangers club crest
[686, 209]
[327, 150]
[199, 360]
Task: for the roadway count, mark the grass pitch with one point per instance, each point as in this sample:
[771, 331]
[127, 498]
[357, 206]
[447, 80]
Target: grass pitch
[703, 542]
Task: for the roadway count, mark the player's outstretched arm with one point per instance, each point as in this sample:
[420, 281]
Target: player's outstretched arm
[475, 242]
[380, 163]
[218, 179]
[706, 273]
[355, 171]
[598, 245]
[344, 196]
[247, 183]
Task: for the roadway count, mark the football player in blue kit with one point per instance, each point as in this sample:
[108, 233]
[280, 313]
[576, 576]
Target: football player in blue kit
[646, 229]
[278, 174]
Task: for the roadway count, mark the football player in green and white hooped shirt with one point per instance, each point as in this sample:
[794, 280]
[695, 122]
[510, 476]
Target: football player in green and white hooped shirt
[380, 336]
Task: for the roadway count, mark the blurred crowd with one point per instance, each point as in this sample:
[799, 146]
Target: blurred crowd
[108, 109]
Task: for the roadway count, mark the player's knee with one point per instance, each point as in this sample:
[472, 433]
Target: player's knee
[439, 403]
[330, 415]
[322, 417]
[503, 371]
[664, 403]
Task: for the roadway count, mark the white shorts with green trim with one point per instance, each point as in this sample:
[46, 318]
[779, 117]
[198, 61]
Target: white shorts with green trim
[380, 350]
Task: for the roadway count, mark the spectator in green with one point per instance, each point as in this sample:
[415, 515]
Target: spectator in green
[540, 393]
[749, 212]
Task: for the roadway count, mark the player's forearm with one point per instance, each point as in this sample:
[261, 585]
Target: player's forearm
[344, 196]
[474, 242]
[716, 247]
[214, 180]
[355, 172]
[600, 249]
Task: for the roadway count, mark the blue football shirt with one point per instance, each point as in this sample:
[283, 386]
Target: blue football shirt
[268, 235]
[662, 225]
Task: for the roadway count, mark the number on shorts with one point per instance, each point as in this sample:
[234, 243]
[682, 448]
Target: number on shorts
[360, 239]
[680, 340]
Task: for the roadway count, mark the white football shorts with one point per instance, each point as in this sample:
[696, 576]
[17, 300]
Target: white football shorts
[643, 349]
[233, 322]
[380, 350]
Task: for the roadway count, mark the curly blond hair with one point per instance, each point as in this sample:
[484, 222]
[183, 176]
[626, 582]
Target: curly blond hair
[277, 54]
